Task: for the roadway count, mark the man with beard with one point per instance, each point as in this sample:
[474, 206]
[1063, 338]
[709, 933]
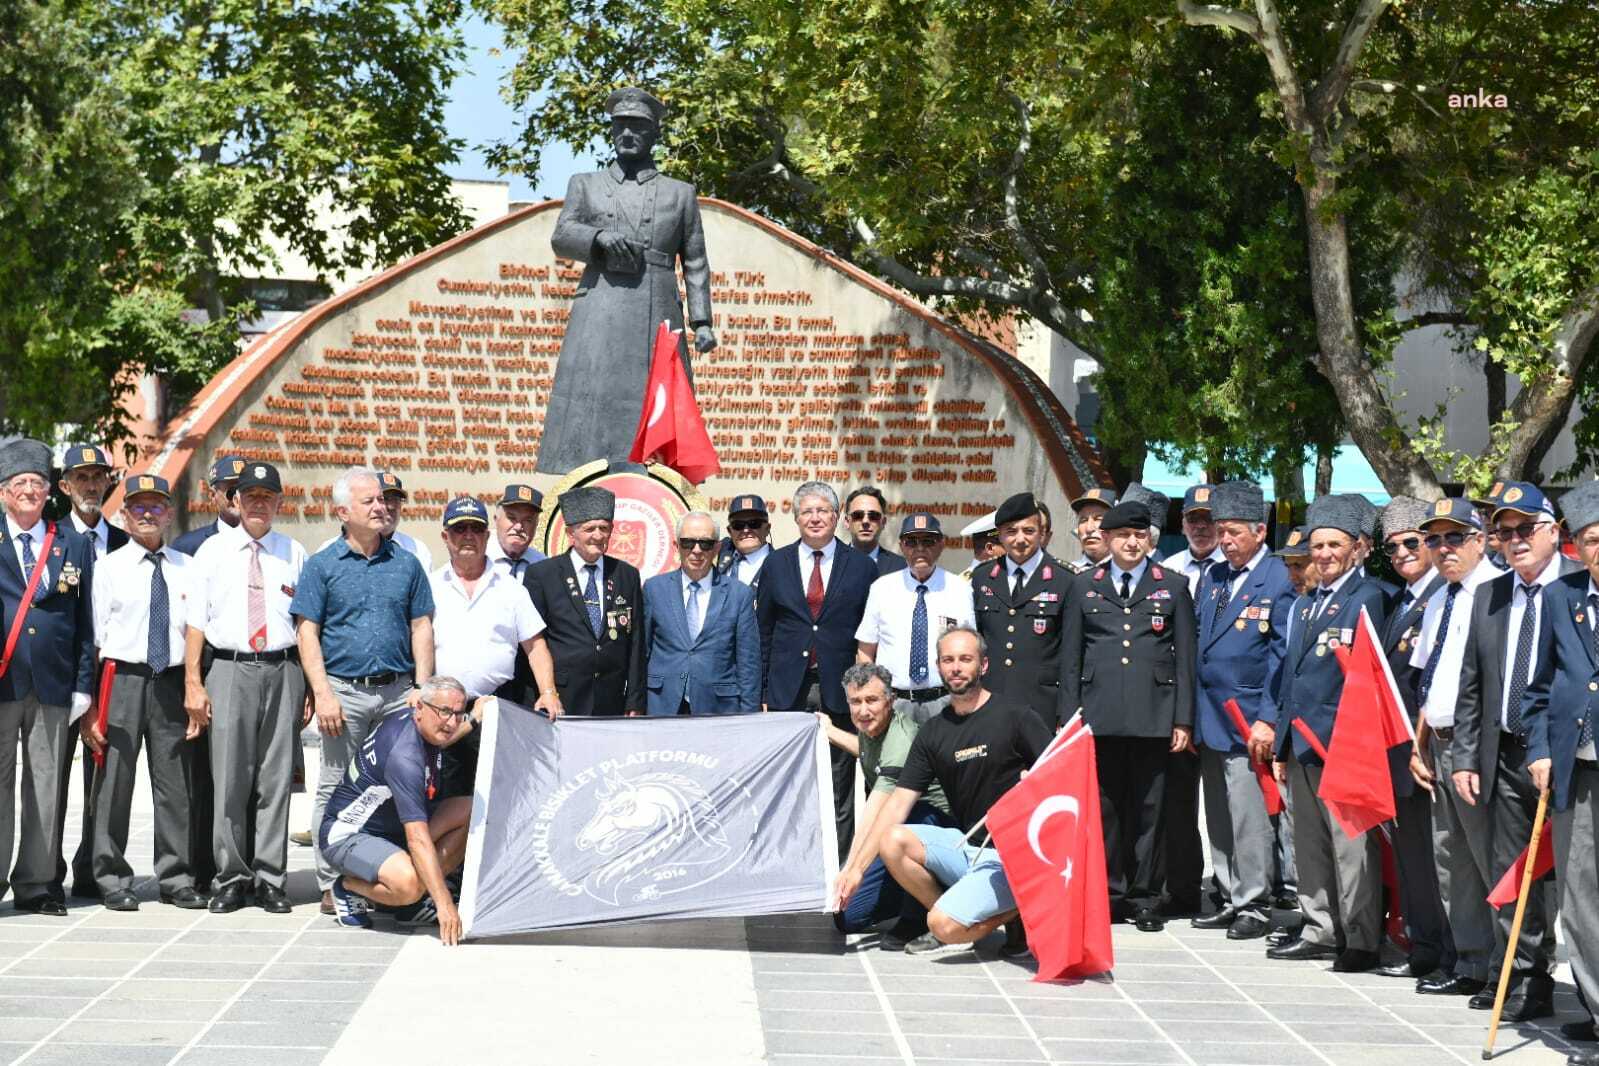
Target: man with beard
[976, 749]
[1203, 552]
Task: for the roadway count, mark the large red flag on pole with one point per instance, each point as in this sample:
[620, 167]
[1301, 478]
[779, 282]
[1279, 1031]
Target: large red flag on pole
[1051, 844]
[670, 429]
[1371, 737]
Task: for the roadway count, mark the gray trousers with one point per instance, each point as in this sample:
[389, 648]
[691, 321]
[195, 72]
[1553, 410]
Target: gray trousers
[1339, 876]
[1463, 844]
[1577, 872]
[1515, 802]
[144, 712]
[364, 707]
[1239, 829]
[41, 732]
[255, 717]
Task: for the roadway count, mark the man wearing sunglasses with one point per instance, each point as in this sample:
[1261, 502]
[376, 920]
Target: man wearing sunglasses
[1489, 746]
[510, 549]
[1404, 545]
[866, 510]
[1203, 551]
[1453, 538]
[748, 541]
[700, 636]
[387, 834]
[1560, 709]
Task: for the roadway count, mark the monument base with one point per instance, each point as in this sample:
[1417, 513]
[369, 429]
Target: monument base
[650, 500]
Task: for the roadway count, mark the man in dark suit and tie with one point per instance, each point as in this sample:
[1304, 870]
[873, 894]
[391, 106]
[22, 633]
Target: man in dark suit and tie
[1559, 712]
[592, 606]
[810, 603]
[702, 645]
[1127, 665]
[1490, 738]
[221, 481]
[1431, 947]
[1339, 875]
[1244, 603]
[48, 677]
[511, 549]
[866, 511]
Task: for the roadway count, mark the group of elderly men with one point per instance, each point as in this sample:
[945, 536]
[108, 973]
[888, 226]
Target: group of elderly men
[216, 649]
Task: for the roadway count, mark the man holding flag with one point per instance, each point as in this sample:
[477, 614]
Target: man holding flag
[976, 749]
[1338, 870]
[1454, 535]
[1559, 713]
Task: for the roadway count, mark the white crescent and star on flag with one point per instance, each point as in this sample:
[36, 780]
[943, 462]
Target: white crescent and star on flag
[1050, 807]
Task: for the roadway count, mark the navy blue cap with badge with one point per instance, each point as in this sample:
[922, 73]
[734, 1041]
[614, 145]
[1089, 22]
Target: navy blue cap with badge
[1523, 497]
[920, 524]
[1453, 511]
[259, 476]
[1097, 494]
[466, 509]
[226, 469]
[1197, 498]
[82, 456]
[1297, 546]
[146, 484]
[746, 504]
[390, 483]
[527, 494]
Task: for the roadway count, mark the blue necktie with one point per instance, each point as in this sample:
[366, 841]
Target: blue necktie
[28, 562]
[1225, 593]
[695, 622]
[1438, 642]
[919, 637]
[1585, 734]
[1518, 678]
[591, 600]
[159, 655]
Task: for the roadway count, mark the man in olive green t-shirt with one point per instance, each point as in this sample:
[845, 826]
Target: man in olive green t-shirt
[883, 741]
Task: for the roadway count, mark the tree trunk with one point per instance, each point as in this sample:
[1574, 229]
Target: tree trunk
[1324, 461]
[1542, 406]
[1533, 470]
[1125, 465]
[1341, 357]
[1493, 373]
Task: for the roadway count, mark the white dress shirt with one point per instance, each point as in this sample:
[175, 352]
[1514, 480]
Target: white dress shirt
[36, 541]
[891, 608]
[1249, 568]
[807, 563]
[501, 561]
[477, 637]
[1444, 692]
[582, 575]
[1518, 606]
[1194, 569]
[219, 603]
[1028, 568]
[99, 535]
[122, 603]
[1329, 591]
[749, 565]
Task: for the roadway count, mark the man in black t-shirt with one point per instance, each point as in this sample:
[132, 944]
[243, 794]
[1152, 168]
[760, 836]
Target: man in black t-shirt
[977, 748]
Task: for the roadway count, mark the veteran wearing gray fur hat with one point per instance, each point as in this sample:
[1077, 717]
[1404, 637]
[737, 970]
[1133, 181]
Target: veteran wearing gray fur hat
[592, 605]
[1330, 861]
[45, 574]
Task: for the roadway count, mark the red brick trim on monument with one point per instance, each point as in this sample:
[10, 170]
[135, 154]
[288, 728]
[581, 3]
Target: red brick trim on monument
[1054, 427]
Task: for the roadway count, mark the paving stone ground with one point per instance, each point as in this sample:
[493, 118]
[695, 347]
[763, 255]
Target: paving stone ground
[163, 986]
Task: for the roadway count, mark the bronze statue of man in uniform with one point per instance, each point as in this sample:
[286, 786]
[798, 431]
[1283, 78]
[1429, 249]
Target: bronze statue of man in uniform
[630, 226]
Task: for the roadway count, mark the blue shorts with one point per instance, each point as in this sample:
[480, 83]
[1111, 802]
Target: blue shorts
[975, 885]
[361, 855]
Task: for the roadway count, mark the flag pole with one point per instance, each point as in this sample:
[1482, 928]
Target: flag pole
[1515, 925]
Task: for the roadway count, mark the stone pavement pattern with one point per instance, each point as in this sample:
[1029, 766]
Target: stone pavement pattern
[167, 986]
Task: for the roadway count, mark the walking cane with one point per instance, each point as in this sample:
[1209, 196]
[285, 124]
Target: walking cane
[1515, 925]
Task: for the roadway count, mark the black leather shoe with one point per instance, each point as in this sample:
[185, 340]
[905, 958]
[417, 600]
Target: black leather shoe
[228, 899]
[1354, 960]
[1286, 901]
[1301, 950]
[121, 900]
[1582, 1031]
[1483, 998]
[1583, 1058]
[184, 899]
[1447, 984]
[272, 899]
[1015, 946]
[1417, 966]
[1219, 920]
[46, 905]
[1149, 920]
[1527, 1006]
[1281, 937]
[1248, 927]
[85, 890]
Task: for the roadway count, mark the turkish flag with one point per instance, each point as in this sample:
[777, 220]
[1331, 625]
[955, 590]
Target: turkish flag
[670, 428]
[1371, 738]
[1052, 846]
[1263, 774]
[1508, 890]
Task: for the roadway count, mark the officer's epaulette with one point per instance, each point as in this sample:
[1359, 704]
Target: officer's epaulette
[1099, 575]
[1157, 573]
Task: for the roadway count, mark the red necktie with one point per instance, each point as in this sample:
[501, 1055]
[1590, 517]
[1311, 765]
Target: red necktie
[814, 592]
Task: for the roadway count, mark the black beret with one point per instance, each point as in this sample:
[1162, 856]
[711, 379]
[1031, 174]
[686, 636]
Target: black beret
[1129, 515]
[1021, 505]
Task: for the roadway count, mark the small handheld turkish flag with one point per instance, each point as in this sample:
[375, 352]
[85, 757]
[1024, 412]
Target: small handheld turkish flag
[1369, 754]
[670, 428]
[1052, 846]
[1508, 890]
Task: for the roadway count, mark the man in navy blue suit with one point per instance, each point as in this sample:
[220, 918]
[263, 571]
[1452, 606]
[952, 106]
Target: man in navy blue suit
[810, 603]
[1244, 602]
[223, 480]
[47, 679]
[1559, 712]
[1348, 928]
[700, 636]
